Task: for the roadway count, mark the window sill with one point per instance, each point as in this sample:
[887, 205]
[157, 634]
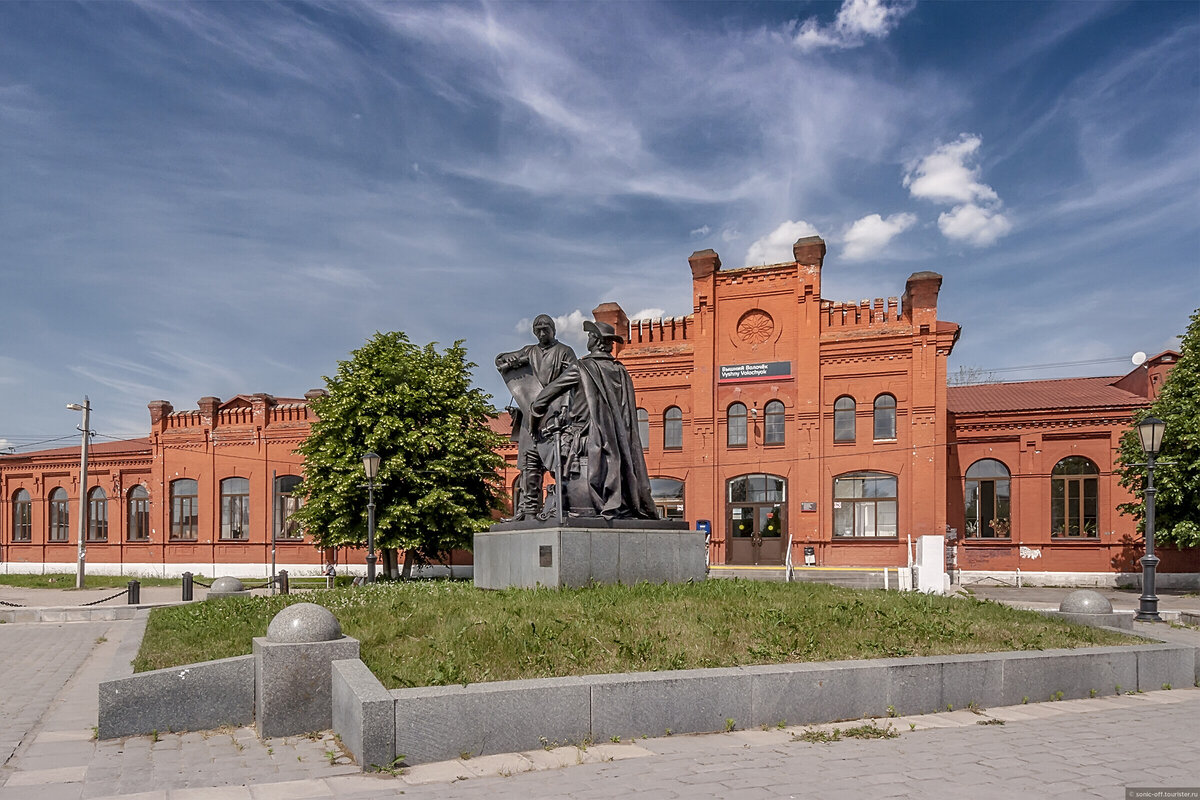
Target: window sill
[867, 539]
[893, 440]
[1074, 539]
[988, 540]
[844, 442]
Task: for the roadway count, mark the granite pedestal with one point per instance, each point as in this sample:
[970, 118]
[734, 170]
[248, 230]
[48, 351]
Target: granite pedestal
[292, 670]
[582, 552]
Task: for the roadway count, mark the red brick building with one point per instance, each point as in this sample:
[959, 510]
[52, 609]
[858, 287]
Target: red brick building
[772, 414]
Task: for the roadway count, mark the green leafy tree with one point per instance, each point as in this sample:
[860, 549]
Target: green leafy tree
[1177, 469]
[415, 407]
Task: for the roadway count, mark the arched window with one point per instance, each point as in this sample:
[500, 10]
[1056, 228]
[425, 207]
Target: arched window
[138, 503]
[235, 509]
[864, 505]
[843, 419]
[987, 500]
[1075, 498]
[287, 502]
[184, 510]
[60, 516]
[668, 497]
[673, 429]
[736, 425]
[22, 516]
[885, 417]
[97, 521]
[643, 418]
[773, 427]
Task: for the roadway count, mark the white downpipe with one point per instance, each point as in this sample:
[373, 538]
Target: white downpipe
[788, 559]
[885, 579]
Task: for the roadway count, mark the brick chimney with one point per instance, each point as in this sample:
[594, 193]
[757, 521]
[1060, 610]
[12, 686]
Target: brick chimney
[920, 298]
[208, 409]
[809, 251]
[704, 263]
[159, 410]
[614, 315]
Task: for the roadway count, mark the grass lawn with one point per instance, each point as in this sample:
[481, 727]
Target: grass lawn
[63, 580]
[441, 632]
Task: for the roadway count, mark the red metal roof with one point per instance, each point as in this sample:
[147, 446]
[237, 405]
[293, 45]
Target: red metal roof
[1038, 395]
[95, 449]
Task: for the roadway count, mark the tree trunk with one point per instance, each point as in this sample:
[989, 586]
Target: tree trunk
[389, 563]
[410, 557]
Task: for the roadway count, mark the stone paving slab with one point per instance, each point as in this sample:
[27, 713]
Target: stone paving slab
[1078, 748]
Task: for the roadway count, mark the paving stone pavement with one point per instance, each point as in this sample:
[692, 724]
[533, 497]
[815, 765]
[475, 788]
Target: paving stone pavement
[1072, 749]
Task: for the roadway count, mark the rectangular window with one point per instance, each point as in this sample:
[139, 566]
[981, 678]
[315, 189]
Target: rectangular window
[185, 510]
[60, 520]
[22, 520]
[139, 519]
[865, 506]
[235, 509]
[286, 527]
[97, 525]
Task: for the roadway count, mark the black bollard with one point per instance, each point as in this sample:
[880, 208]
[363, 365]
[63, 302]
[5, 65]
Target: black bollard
[282, 577]
[187, 587]
[135, 593]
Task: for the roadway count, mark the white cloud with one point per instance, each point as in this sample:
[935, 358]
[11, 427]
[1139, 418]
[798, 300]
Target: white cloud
[974, 224]
[949, 176]
[649, 313]
[945, 177]
[776, 246]
[857, 20]
[703, 230]
[869, 235]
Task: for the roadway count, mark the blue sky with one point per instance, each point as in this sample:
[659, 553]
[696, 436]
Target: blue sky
[223, 198]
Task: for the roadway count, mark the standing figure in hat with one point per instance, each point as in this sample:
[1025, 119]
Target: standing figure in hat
[605, 471]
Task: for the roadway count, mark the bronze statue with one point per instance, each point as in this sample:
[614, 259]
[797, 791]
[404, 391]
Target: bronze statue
[526, 372]
[601, 463]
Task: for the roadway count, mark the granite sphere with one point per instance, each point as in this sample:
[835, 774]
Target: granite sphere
[1085, 601]
[304, 622]
[226, 585]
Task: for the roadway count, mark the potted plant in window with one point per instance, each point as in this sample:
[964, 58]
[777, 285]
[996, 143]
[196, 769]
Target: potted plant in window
[1001, 527]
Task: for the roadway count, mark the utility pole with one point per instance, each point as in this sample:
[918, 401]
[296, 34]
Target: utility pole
[86, 408]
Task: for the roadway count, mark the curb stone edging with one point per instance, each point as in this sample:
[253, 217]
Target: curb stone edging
[437, 723]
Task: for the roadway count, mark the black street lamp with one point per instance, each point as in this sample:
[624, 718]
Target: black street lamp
[1150, 431]
[371, 468]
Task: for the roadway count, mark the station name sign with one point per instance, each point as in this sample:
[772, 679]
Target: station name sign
[764, 370]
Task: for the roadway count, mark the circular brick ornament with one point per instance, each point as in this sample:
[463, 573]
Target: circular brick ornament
[755, 326]
[304, 622]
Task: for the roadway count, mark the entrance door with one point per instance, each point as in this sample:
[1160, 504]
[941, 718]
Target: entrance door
[756, 520]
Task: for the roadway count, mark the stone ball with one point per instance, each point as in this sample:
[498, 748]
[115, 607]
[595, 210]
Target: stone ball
[226, 585]
[1085, 601]
[304, 622]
